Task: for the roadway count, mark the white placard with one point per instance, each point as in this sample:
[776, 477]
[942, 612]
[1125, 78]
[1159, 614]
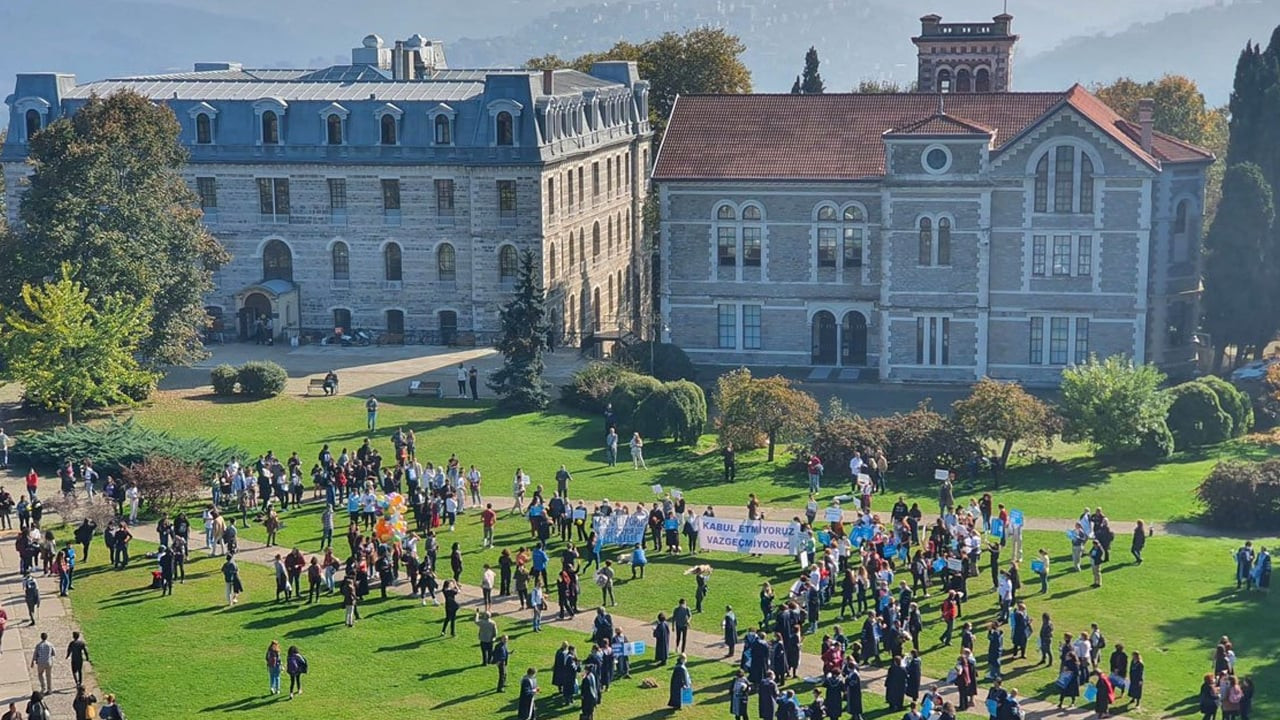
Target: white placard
[864, 478]
[954, 565]
[747, 536]
[941, 474]
[834, 514]
[657, 489]
[676, 494]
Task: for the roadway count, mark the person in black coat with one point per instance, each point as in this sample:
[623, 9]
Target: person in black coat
[852, 689]
[815, 710]
[528, 706]
[569, 675]
[895, 684]
[730, 627]
[1137, 674]
[590, 693]
[680, 680]
[661, 639]
[833, 703]
[778, 658]
[768, 696]
[1119, 664]
[914, 669]
[758, 658]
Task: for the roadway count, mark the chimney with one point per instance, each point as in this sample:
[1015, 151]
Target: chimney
[1147, 121]
[398, 61]
[548, 82]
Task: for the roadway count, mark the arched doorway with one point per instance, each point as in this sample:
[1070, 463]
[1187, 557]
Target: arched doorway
[824, 338]
[853, 339]
[395, 322]
[255, 317]
[448, 327]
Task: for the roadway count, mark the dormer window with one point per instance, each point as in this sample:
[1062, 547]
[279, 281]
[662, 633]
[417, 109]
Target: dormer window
[270, 128]
[33, 122]
[505, 129]
[333, 129]
[504, 121]
[444, 130]
[204, 129]
[387, 130]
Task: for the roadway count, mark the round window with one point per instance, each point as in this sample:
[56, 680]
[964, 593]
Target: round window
[937, 159]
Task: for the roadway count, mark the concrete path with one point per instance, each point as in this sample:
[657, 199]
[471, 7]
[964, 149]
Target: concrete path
[17, 677]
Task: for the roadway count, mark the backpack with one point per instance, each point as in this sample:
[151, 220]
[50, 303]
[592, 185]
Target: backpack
[302, 665]
[39, 711]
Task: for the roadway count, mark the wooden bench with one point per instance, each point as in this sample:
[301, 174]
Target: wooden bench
[317, 384]
[430, 388]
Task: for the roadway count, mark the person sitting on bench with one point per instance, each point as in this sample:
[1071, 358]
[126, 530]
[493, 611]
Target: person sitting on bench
[331, 383]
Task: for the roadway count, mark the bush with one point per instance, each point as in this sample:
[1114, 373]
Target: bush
[1242, 496]
[114, 445]
[165, 483]
[628, 393]
[669, 361]
[837, 437]
[1156, 445]
[223, 378]
[922, 440]
[1233, 401]
[1195, 417]
[1110, 403]
[676, 409]
[591, 385]
[261, 378]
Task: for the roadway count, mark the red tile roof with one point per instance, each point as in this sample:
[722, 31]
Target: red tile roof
[839, 137]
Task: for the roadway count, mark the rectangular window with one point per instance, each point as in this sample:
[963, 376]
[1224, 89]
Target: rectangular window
[1084, 255]
[853, 247]
[751, 247]
[1037, 341]
[1059, 327]
[569, 186]
[273, 199]
[551, 197]
[1061, 255]
[727, 246]
[751, 327]
[507, 201]
[582, 192]
[826, 247]
[933, 340]
[1064, 179]
[1038, 255]
[444, 198]
[391, 201]
[1082, 341]
[595, 180]
[338, 201]
[1042, 187]
[608, 175]
[727, 326]
[207, 189]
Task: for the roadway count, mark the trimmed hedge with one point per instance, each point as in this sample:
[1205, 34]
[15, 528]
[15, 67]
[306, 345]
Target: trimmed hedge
[261, 378]
[223, 378]
[1195, 417]
[676, 409]
[1242, 496]
[1157, 445]
[115, 445]
[628, 393]
[1234, 402]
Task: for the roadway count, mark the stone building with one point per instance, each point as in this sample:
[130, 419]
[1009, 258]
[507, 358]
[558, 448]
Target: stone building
[931, 236]
[395, 193]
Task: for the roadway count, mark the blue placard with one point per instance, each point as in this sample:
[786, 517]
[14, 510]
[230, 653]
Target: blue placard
[633, 648]
[824, 538]
[1015, 518]
[1037, 566]
[535, 510]
[997, 528]
[992, 707]
[939, 564]
[1091, 693]
[686, 696]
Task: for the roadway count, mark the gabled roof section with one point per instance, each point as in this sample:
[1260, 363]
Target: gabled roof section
[941, 125]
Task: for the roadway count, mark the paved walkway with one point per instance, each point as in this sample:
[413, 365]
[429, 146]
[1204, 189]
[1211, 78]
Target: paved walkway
[17, 677]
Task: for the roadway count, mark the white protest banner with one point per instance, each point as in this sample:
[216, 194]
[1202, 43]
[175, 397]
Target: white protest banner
[580, 513]
[748, 536]
[834, 514]
[954, 565]
[941, 474]
[633, 648]
[620, 529]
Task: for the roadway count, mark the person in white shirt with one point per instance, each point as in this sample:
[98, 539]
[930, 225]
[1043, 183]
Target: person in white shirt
[4, 446]
[451, 511]
[855, 465]
[1083, 648]
[460, 492]
[462, 381]
[518, 485]
[134, 496]
[486, 587]
[88, 474]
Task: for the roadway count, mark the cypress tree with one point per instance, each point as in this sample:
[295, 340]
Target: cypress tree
[795, 87]
[518, 383]
[811, 84]
[1237, 290]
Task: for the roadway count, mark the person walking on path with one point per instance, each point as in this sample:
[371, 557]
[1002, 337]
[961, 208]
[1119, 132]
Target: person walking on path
[42, 660]
[487, 634]
[680, 618]
[371, 410]
[296, 666]
[680, 682]
[31, 594]
[1139, 541]
[273, 667]
[36, 708]
[78, 653]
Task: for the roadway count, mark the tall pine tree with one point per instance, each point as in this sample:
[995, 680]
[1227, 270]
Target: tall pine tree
[1238, 294]
[519, 384]
[811, 81]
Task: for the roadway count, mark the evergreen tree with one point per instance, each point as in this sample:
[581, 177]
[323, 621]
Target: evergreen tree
[1238, 296]
[795, 87]
[811, 83]
[519, 383]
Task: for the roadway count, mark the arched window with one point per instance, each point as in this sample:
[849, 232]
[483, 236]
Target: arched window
[1064, 168]
[444, 134]
[333, 129]
[1086, 184]
[33, 123]
[446, 263]
[726, 213]
[342, 318]
[826, 213]
[944, 241]
[926, 241]
[507, 262]
[277, 261]
[341, 256]
[1180, 218]
[505, 128]
[582, 245]
[395, 322]
[551, 259]
[387, 125]
[751, 212]
[270, 128]
[982, 80]
[204, 129]
[944, 80]
[392, 262]
[595, 309]
[964, 81]
[595, 241]
[572, 257]
[1042, 184]
[854, 233]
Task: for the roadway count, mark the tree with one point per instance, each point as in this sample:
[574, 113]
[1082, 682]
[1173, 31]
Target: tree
[1003, 411]
[107, 196]
[795, 87]
[1237, 292]
[883, 87]
[165, 483]
[519, 383]
[702, 60]
[70, 351]
[811, 81]
[762, 411]
[1113, 403]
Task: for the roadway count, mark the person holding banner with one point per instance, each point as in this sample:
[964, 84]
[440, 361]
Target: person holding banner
[681, 685]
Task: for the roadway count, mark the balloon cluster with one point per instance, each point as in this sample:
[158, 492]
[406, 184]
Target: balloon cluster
[391, 526]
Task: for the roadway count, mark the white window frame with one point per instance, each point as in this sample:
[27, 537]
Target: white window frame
[738, 226]
[1050, 149]
[1045, 243]
[211, 112]
[279, 107]
[924, 159]
[509, 106]
[395, 112]
[937, 347]
[343, 114]
[1074, 324]
[447, 111]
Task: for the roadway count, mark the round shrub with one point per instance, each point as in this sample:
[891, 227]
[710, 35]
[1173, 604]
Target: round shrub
[223, 378]
[1242, 496]
[1233, 401]
[676, 410]
[627, 395]
[591, 385]
[669, 362]
[261, 378]
[1195, 417]
[1155, 444]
